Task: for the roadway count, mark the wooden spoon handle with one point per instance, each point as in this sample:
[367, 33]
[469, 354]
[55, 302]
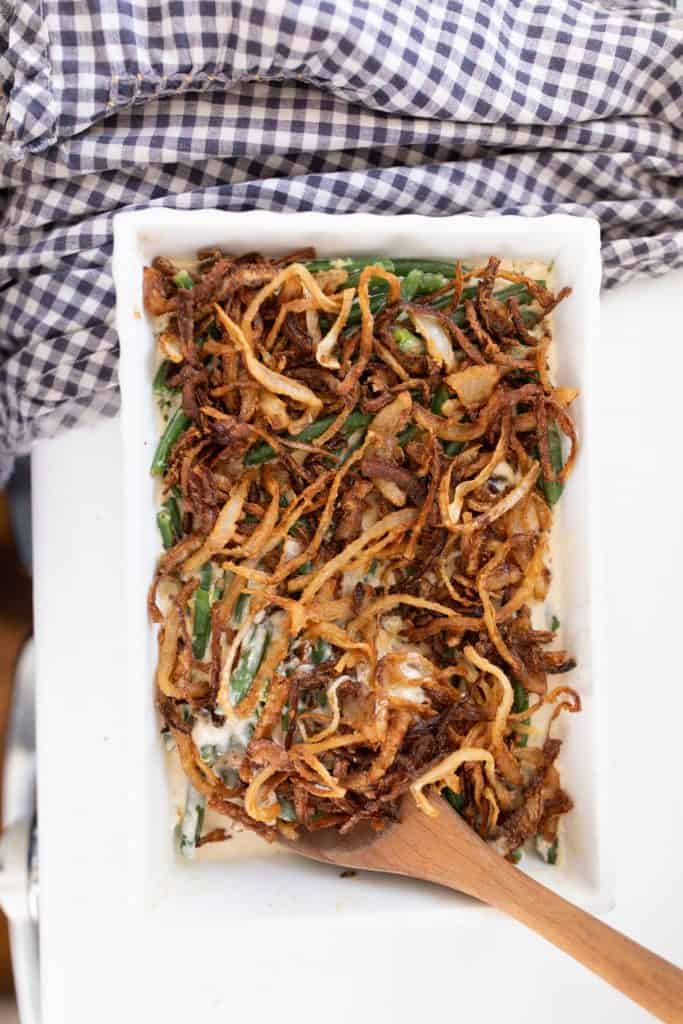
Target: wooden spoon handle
[648, 979]
[446, 851]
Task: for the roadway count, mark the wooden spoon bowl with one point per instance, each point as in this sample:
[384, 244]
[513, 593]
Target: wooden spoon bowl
[447, 851]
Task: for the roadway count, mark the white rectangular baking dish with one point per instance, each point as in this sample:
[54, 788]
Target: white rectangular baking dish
[256, 881]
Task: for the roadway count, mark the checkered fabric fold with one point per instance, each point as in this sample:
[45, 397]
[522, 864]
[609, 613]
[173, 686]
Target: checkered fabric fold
[479, 106]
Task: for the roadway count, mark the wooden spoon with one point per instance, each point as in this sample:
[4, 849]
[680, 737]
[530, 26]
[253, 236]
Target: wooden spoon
[447, 851]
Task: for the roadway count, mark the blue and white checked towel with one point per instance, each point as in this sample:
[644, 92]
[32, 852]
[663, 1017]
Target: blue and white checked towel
[390, 106]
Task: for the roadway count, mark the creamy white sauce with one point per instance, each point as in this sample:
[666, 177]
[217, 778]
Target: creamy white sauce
[532, 268]
[161, 323]
[392, 623]
[384, 643]
[350, 579]
[543, 849]
[504, 471]
[291, 548]
[233, 732]
[370, 516]
[195, 804]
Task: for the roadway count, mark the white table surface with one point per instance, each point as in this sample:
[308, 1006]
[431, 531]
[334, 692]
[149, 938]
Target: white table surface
[102, 960]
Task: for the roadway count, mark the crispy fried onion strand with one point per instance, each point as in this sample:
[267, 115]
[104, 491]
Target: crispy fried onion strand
[444, 773]
[278, 383]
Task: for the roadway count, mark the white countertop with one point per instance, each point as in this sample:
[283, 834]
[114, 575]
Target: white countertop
[102, 959]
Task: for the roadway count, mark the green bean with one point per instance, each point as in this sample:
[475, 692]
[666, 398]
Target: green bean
[441, 396]
[417, 282]
[431, 283]
[321, 651]
[164, 394]
[401, 267]
[193, 820]
[253, 648]
[452, 448]
[169, 741]
[209, 753]
[356, 420]
[546, 851]
[373, 567]
[177, 425]
[410, 285]
[317, 266]
[377, 292]
[174, 511]
[407, 434]
[518, 290]
[418, 277]
[456, 800]
[553, 488]
[404, 265]
[521, 697]
[300, 524]
[239, 612]
[408, 342]
[555, 624]
[441, 301]
[221, 584]
[351, 265]
[183, 280]
[202, 612]
[230, 776]
[354, 274]
[263, 452]
[378, 300]
[165, 527]
[159, 385]
[520, 703]
[287, 812]
[315, 429]
[420, 282]
[259, 454]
